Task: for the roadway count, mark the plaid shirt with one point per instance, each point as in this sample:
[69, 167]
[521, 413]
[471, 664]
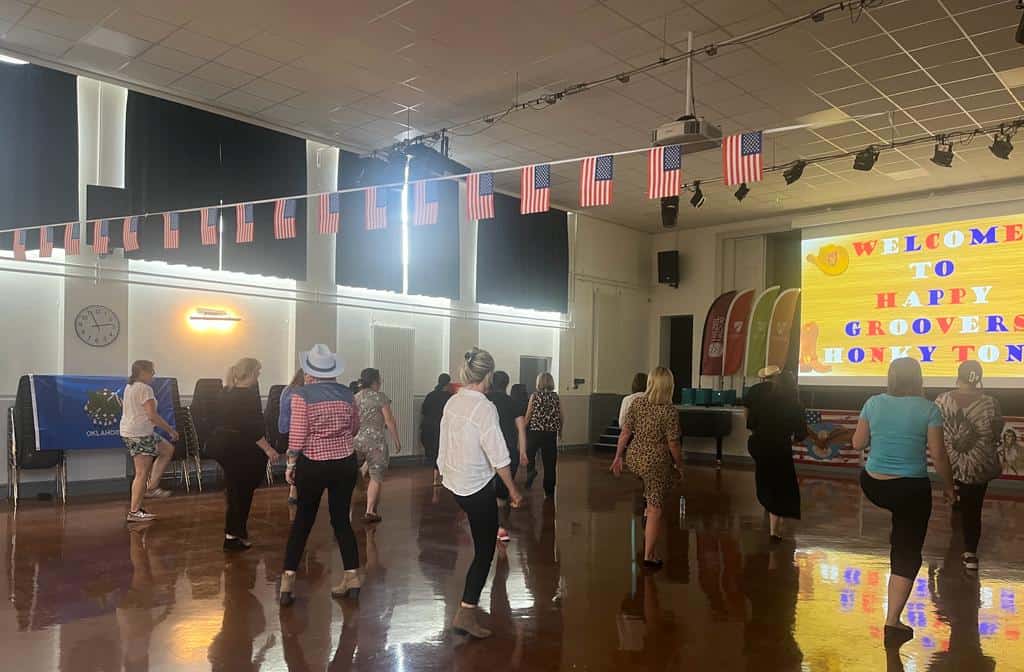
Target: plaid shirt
[324, 422]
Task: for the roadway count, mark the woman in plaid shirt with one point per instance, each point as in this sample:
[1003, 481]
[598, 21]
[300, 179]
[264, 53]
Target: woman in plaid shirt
[321, 456]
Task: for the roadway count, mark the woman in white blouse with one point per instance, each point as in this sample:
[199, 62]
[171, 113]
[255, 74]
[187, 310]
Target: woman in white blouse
[639, 388]
[471, 450]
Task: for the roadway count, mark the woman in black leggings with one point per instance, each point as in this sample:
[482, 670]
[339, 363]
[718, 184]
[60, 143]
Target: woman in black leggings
[472, 449]
[899, 426]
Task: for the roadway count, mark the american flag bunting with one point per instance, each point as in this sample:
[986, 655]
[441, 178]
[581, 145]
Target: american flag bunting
[72, 239]
[20, 244]
[46, 242]
[376, 208]
[208, 220]
[536, 189]
[480, 196]
[101, 236]
[664, 171]
[425, 203]
[742, 158]
[172, 230]
[328, 213]
[596, 181]
[244, 227]
[130, 234]
[284, 218]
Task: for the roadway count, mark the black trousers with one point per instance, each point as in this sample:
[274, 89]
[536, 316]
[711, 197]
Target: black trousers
[245, 467]
[499, 485]
[312, 477]
[431, 443]
[482, 510]
[546, 443]
[910, 502]
[972, 498]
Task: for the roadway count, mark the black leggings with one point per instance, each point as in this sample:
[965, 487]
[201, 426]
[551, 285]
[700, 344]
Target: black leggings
[910, 502]
[547, 444]
[482, 510]
[312, 477]
[972, 498]
[245, 467]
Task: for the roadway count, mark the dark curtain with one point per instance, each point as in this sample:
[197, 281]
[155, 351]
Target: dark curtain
[172, 161]
[434, 249]
[38, 147]
[368, 259]
[259, 163]
[522, 261]
[106, 203]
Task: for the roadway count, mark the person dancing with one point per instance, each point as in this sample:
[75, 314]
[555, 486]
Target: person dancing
[544, 420]
[972, 429]
[430, 423]
[321, 456]
[775, 417]
[472, 449]
[903, 429]
[375, 415]
[150, 452]
[284, 417]
[652, 434]
[512, 420]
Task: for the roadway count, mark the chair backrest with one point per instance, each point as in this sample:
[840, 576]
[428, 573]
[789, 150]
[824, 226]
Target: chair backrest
[271, 414]
[27, 456]
[206, 408]
[180, 447]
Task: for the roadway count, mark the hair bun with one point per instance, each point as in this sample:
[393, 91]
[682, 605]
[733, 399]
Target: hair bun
[470, 354]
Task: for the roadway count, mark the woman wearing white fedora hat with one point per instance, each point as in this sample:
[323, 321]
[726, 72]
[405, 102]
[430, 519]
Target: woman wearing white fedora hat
[321, 456]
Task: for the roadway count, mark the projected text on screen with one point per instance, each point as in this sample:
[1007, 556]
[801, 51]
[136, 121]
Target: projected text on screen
[941, 294]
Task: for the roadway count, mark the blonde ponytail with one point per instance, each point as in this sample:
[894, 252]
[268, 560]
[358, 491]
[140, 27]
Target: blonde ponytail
[246, 367]
[478, 368]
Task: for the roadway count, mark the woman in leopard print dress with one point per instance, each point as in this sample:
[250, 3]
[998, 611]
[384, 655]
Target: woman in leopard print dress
[652, 434]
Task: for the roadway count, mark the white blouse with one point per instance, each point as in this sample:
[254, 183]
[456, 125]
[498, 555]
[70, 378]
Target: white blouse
[472, 445]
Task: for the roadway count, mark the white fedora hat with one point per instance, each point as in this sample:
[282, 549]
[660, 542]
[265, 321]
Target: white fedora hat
[320, 362]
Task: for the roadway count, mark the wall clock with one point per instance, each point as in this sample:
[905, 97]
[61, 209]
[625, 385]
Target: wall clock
[97, 326]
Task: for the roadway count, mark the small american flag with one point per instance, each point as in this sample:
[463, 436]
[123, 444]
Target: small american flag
[741, 158]
[172, 230]
[131, 234]
[208, 220]
[72, 239]
[480, 196]
[829, 439]
[596, 181]
[101, 236]
[376, 208]
[20, 242]
[46, 241]
[284, 218]
[425, 203]
[329, 213]
[664, 171]
[536, 189]
[243, 223]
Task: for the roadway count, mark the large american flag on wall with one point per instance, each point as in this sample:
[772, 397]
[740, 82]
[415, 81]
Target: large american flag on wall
[829, 438]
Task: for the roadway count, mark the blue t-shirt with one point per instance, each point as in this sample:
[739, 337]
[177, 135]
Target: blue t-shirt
[284, 416]
[899, 434]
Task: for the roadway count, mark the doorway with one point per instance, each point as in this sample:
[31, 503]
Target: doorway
[530, 368]
[677, 351]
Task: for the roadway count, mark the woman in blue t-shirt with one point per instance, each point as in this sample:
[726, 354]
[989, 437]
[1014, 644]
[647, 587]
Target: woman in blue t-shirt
[903, 429]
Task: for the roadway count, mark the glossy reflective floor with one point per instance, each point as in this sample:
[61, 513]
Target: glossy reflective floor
[86, 594]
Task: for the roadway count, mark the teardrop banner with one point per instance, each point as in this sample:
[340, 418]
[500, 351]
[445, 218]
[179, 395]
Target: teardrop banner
[781, 328]
[712, 346]
[737, 322]
[757, 332]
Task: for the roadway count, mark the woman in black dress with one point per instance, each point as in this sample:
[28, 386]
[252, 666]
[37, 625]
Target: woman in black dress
[775, 417]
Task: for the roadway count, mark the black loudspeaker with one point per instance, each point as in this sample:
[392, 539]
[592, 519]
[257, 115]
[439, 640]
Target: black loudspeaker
[669, 211]
[668, 267]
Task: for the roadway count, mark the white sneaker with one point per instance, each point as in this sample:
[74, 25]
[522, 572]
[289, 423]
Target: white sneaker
[158, 493]
[970, 561]
[140, 516]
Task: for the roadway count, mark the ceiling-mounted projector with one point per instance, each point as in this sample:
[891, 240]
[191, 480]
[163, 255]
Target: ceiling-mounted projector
[695, 134]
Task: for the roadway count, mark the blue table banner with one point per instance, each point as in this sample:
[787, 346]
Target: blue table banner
[84, 412]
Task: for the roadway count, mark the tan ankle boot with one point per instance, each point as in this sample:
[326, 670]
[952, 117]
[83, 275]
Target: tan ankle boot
[350, 584]
[466, 621]
[287, 598]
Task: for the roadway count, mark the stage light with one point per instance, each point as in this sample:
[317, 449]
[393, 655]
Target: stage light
[742, 192]
[669, 211]
[943, 154]
[865, 159]
[1001, 146]
[698, 195]
[794, 172]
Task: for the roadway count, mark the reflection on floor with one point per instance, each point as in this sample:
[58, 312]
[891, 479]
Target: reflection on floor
[86, 594]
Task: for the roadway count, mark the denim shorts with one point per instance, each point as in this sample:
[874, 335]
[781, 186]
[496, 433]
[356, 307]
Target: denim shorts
[142, 445]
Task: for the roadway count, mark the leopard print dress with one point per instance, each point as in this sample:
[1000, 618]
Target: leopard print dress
[648, 457]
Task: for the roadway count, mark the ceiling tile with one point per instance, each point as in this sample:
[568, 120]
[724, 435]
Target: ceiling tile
[244, 101]
[117, 42]
[932, 110]
[148, 73]
[724, 12]
[834, 80]
[1005, 60]
[835, 31]
[992, 17]
[195, 44]
[854, 94]
[12, 10]
[54, 24]
[35, 41]
[896, 15]
[224, 26]
[247, 61]
[940, 54]
[93, 58]
[200, 88]
[886, 67]
[172, 59]
[275, 47]
[272, 91]
[983, 100]
[910, 81]
[927, 34]
[952, 72]
[867, 50]
[931, 94]
[995, 114]
[285, 114]
[949, 122]
[997, 41]
[90, 11]
[223, 75]
[139, 25]
[178, 12]
[968, 87]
